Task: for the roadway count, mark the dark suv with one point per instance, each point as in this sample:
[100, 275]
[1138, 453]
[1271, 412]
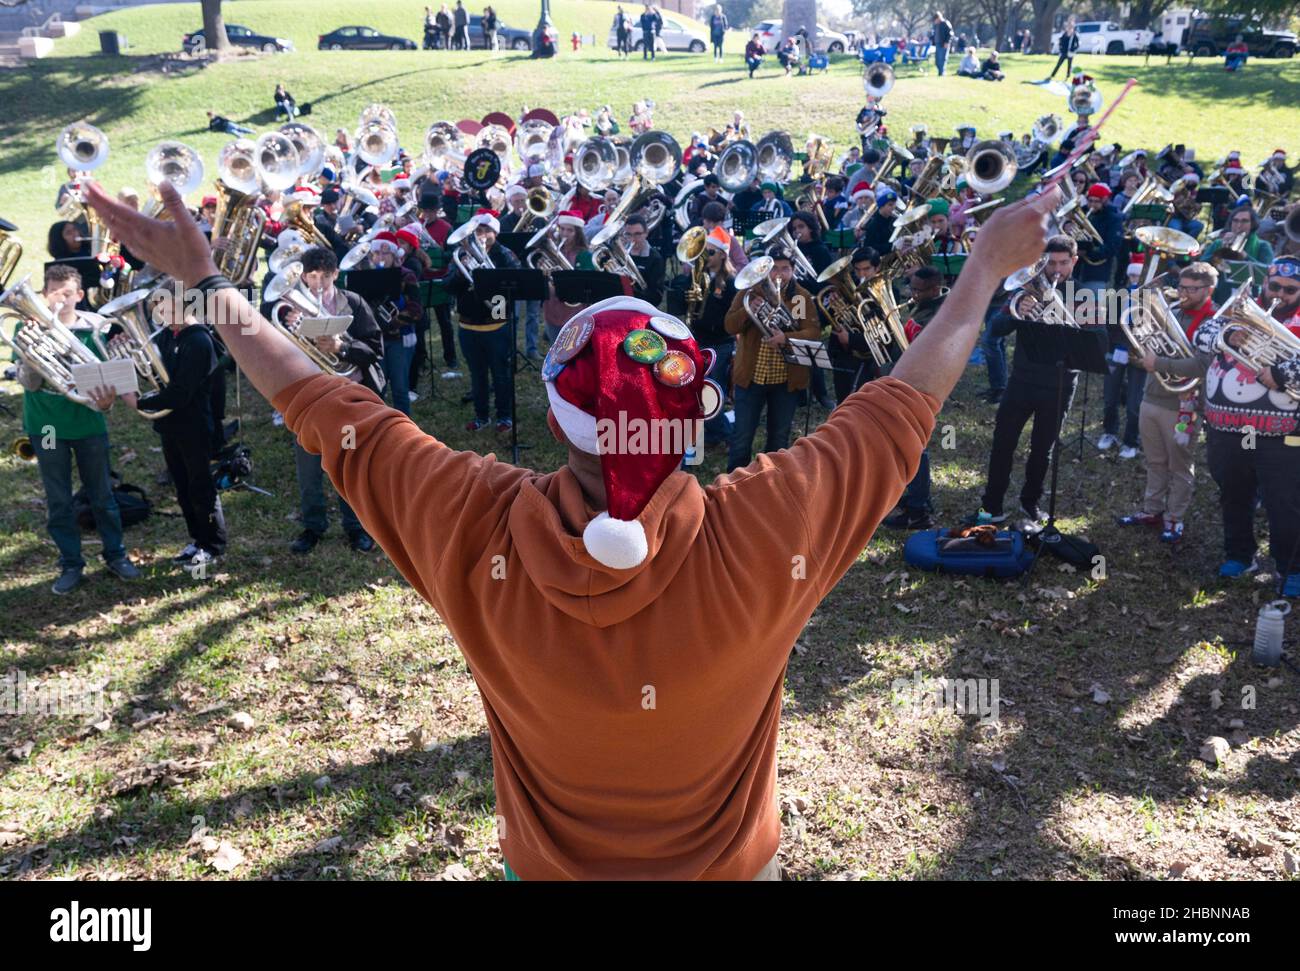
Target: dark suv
[239, 37]
[1207, 37]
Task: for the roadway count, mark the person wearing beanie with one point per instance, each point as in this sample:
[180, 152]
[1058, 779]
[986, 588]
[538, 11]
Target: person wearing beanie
[325, 218]
[764, 380]
[879, 231]
[633, 736]
[945, 242]
[484, 334]
[772, 205]
[1097, 260]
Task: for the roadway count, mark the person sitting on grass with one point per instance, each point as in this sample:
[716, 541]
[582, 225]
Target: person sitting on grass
[1235, 56]
[754, 52]
[991, 69]
[970, 64]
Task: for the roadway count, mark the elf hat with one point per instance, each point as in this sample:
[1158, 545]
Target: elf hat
[618, 374]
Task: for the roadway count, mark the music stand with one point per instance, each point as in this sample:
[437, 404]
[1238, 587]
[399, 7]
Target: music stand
[1067, 349]
[585, 287]
[810, 354]
[513, 285]
[374, 286]
[517, 243]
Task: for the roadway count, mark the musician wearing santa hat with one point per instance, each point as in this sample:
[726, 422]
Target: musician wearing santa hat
[633, 735]
[484, 334]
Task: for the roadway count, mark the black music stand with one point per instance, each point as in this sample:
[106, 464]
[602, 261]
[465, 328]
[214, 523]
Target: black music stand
[517, 243]
[809, 354]
[374, 286]
[1067, 349]
[586, 287]
[513, 285]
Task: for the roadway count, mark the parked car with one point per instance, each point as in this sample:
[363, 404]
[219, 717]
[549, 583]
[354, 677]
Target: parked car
[240, 37]
[770, 34]
[1107, 37]
[362, 39]
[1207, 37]
[675, 36]
[508, 38]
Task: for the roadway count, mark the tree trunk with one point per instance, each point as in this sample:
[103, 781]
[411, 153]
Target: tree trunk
[1044, 15]
[800, 13]
[214, 27]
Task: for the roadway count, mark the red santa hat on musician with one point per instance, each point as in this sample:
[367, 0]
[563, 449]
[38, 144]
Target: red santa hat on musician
[570, 217]
[627, 383]
[861, 190]
[488, 218]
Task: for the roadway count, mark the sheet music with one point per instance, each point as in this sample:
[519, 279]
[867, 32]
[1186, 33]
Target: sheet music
[313, 327]
[118, 374]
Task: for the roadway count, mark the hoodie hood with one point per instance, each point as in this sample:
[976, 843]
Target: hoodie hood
[546, 523]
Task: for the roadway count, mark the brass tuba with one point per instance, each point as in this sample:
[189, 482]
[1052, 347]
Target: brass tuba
[11, 251]
[244, 169]
[1150, 325]
[43, 343]
[690, 250]
[879, 314]
[1266, 341]
[135, 344]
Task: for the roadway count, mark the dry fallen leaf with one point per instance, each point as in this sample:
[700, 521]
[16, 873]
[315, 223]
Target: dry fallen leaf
[226, 859]
[241, 721]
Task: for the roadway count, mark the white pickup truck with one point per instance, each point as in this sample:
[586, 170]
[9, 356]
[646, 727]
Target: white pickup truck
[1106, 37]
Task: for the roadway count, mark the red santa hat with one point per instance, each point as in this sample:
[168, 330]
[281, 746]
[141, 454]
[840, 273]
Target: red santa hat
[861, 190]
[487, 217]
[208, 201]
[388, 236]
[571, 217]
[718, 239]
[306, 194]
[407, 238]
[1279, 153]
[618, 373]
[1135, 264]
[1098, 190]
[400, 183]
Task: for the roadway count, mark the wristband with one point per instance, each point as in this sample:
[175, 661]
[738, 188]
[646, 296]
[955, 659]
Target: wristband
[218, 281]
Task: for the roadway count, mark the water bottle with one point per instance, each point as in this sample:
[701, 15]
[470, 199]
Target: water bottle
[1269, 630]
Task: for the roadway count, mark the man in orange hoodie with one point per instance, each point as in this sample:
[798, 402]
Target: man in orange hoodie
[629, 739]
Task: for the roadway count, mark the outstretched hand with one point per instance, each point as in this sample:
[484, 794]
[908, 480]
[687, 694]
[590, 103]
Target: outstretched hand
[177, 246]
[1015, 235]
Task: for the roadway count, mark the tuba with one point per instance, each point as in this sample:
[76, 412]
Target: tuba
[769, 314]
[655, 158]
[1266, 341]
[877, 80]
[542, 251]
[467, 253]
[691, 251]
[135, 344]
[1150, 325]
[1046, 306]
[610, 255]
[43, 343]
[1163, 244]
[243, 168]
[991, 166]
[879, 315]
[286, 291]
[775, 157]
[737, 166]
[11, 251]
[171, 162]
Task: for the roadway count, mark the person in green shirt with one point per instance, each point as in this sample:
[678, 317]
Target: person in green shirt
[61, 429]
[1241, 221]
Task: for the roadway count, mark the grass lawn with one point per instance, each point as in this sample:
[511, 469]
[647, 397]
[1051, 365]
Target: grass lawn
[365, 754]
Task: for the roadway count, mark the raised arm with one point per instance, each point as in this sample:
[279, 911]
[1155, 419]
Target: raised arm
[177, 247]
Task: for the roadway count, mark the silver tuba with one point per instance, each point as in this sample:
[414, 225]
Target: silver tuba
[135, 344]
[877, 80]
[172, 162]
[1150, 325]
[737, 166]
[468, 254]
[1266, 341]
[610, 255]
[991, 166]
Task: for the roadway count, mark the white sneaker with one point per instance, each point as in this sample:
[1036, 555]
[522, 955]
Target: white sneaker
[277, 419]
[450, 375]
[1128, 452]
[413, 396]
[1107, 441]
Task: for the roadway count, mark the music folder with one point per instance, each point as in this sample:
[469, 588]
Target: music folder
[314, 327]
[118, 374]
[375, 286]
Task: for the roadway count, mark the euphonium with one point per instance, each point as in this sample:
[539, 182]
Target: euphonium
[135, 344]
[43, 343]
[1071, 218]
[776, 232]
[842, 302]
[1266, 342]
[11, 251]
[1151, 192]
[243, 169]
[467, 254]
[542, 252]
[879, 315]
[610, 255]
[877, 80]
[285, 291]
[691, 251]
[1150, 325]
[1046, 306]
[769, 314]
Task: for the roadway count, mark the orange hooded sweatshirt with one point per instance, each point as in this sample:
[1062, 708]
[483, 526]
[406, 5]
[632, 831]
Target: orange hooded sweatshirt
[633, 713]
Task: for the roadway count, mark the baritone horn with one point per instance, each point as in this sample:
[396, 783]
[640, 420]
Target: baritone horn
[287, 292]
[130, 312]
[1036, 297]
[43, 343]
[1266, 342]
[1150, 325]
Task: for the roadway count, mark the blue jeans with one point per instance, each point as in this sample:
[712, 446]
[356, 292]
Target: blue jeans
[230, 128]
[531, 311]
[56, 476]
[1192, 227]
[1124, 382]
[995, 357]
[940, 58]
[311, 494]
[397, 367]
[780, 403]
[754, 64]
[487, 354]
[719, 428]
[917, 493]
[1234, 61]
